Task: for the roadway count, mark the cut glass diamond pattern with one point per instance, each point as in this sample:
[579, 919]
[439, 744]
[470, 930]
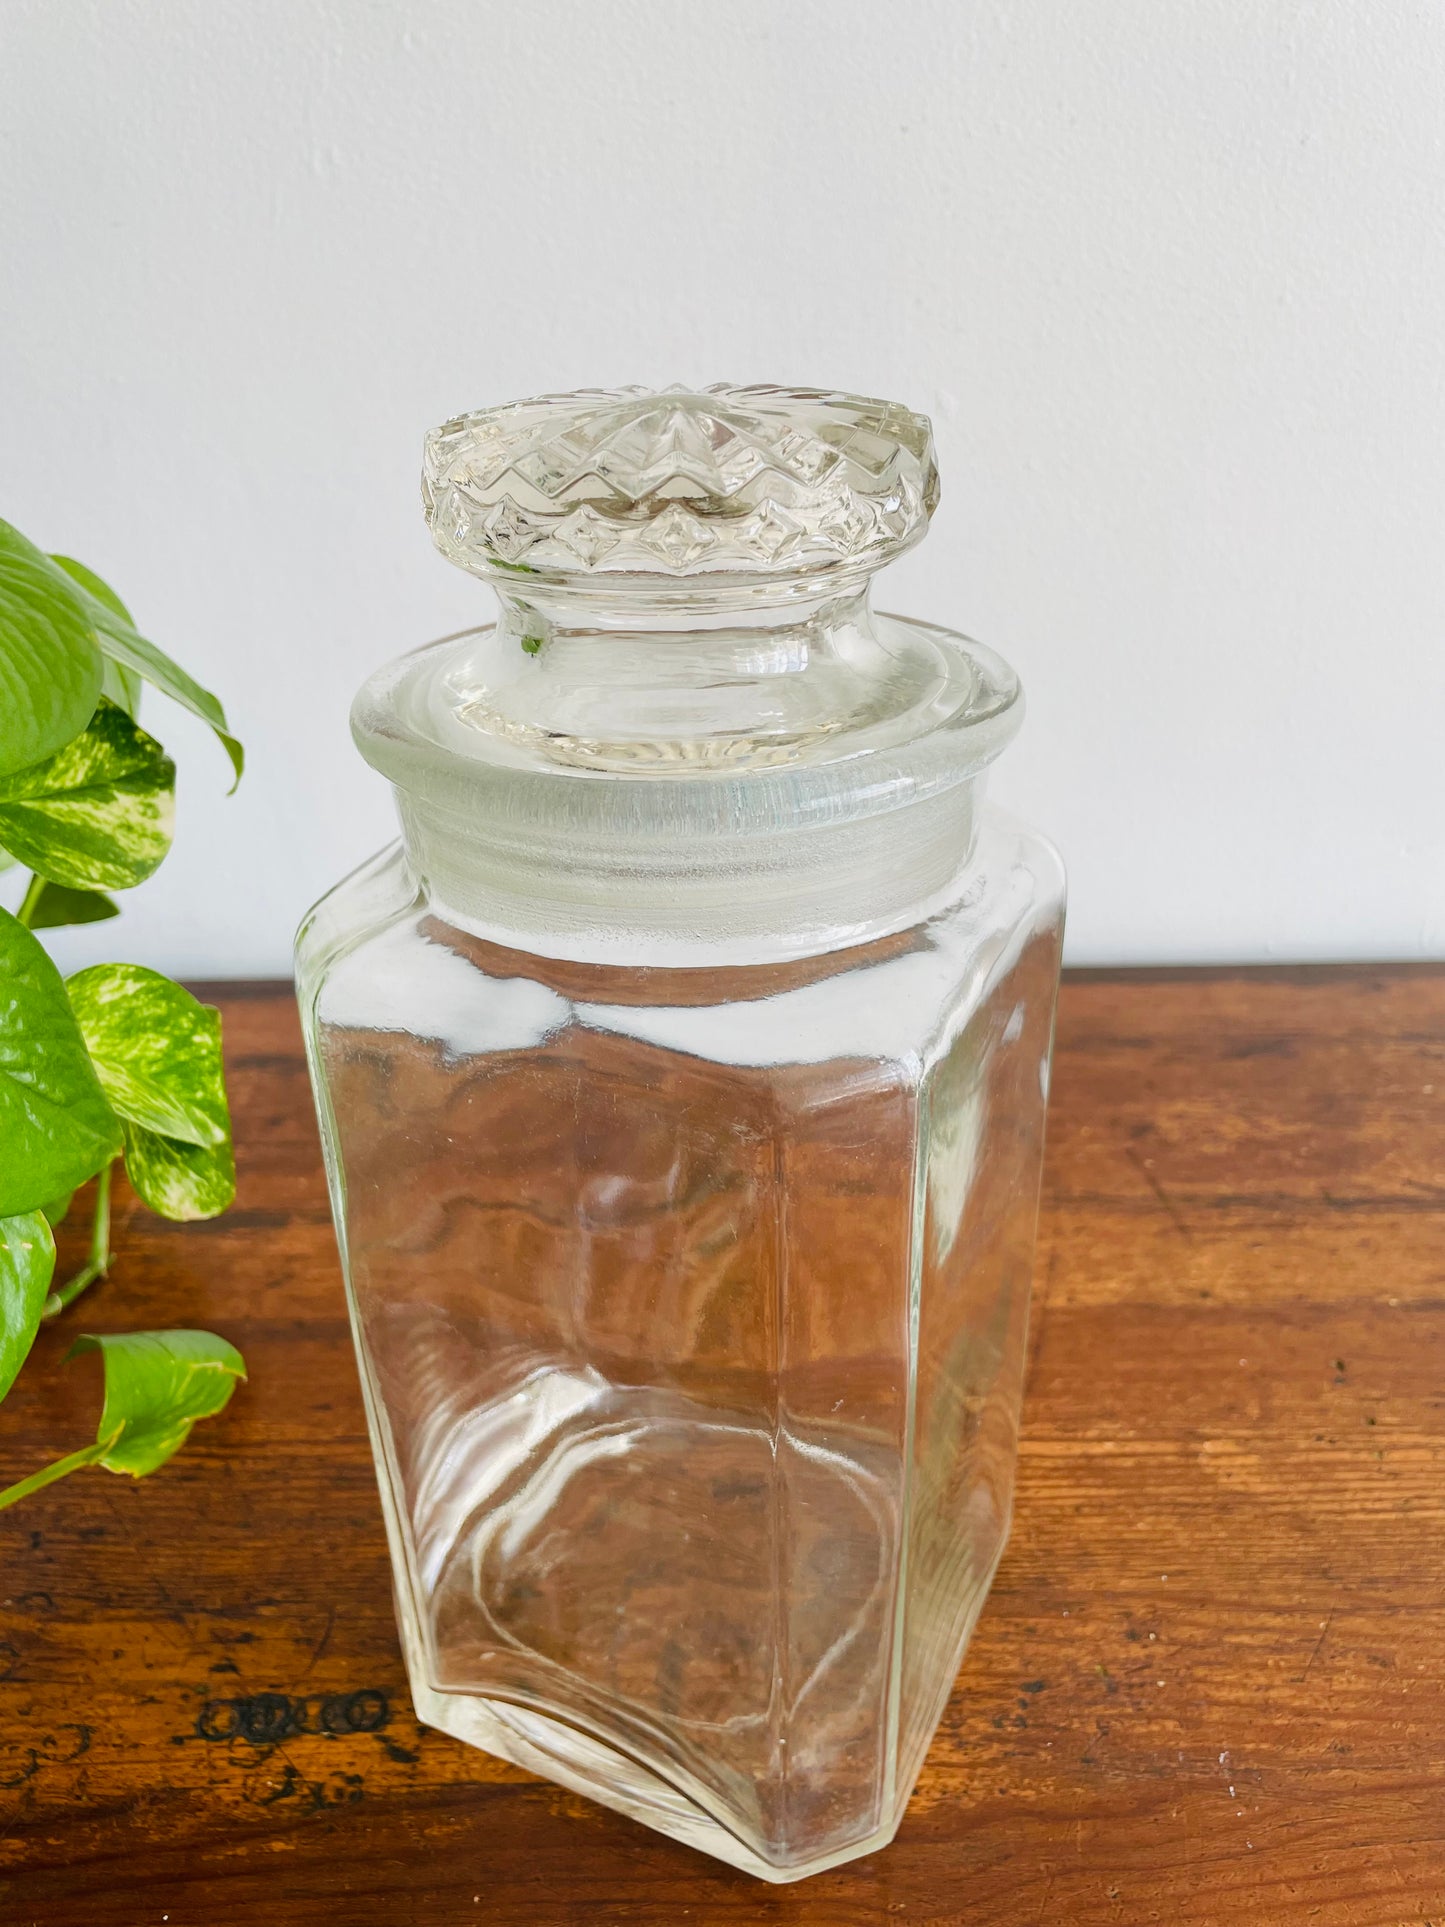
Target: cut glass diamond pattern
[586, 535]
[769, 531]
[510, 531]
[757, 482]
[678, 537]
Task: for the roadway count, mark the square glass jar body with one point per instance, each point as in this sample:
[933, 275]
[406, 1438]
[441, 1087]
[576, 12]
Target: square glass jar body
[690, 1307]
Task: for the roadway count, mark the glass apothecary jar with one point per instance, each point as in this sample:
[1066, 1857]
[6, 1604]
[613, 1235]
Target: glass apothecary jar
[681, 1075]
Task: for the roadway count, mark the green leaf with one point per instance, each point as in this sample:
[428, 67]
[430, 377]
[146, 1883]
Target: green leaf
[123, 644]
[126, 646]
[55, 1209]
[58, 904]
[56, 1128]
[157, 1384]
[50, 663]
[122, 685]
[98, 814]
[176, 1179]
[27, 1259]
[93, 585]
[156, 1051]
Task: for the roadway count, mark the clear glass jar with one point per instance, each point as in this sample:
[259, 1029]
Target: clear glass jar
[682, 1076]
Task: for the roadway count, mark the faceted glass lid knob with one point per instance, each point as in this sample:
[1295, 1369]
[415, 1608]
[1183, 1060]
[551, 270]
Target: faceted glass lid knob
[753, 483]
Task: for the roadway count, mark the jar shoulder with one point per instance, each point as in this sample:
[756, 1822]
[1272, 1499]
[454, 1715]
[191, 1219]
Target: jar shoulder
[372, 899]
[376, 954]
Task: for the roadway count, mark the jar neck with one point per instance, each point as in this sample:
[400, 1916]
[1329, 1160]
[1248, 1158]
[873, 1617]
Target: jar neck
[628, 684]
[678, 605]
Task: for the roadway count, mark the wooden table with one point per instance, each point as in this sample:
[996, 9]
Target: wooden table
[1209, 1688]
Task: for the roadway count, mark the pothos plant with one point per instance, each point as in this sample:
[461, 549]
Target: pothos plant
[115, 1063]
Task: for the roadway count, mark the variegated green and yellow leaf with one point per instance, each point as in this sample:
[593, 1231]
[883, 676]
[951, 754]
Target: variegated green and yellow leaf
[157, 1053]
[178, 1180]
[98, 814]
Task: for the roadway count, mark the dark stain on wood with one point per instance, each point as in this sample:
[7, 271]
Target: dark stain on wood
[265, 1719]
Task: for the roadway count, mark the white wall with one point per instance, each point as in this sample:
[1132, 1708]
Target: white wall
[1169, 278]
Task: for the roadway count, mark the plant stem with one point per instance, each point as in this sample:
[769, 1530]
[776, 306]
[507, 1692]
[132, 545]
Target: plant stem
[31, 899]
[98, 1262]
[48, 1474]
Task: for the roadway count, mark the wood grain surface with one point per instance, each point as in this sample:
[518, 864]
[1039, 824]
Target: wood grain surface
[1208, 1689]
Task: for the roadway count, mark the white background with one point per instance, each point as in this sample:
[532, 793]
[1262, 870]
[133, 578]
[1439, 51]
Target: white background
[1169, 278]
